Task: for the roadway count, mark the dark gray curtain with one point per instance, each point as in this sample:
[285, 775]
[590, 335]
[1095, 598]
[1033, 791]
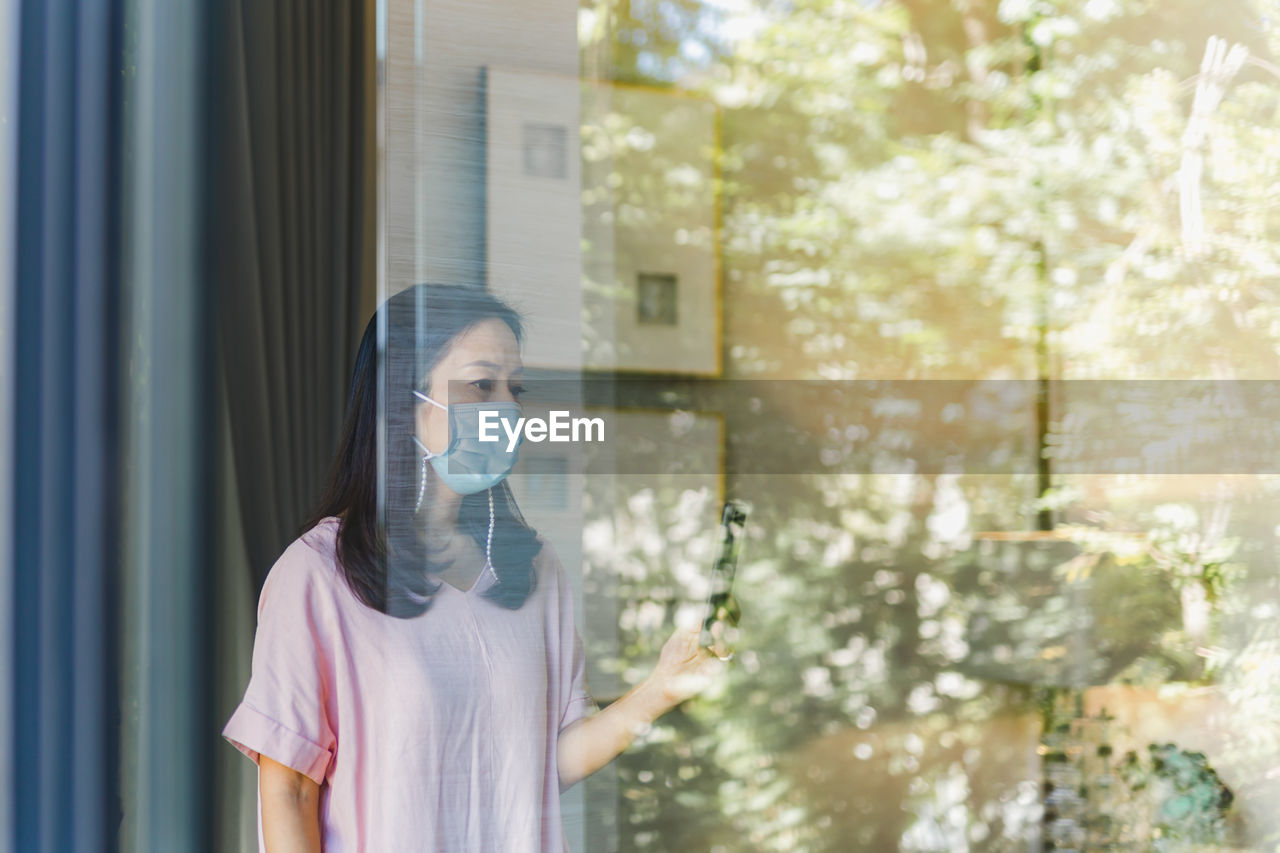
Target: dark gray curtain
[292, 118]
[62, 527]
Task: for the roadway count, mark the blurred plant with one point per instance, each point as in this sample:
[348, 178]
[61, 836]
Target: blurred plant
[1185, 801]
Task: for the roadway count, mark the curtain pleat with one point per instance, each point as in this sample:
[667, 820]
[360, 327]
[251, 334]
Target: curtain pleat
[288, 138]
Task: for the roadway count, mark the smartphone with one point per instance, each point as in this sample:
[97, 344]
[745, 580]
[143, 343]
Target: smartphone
[721, 605]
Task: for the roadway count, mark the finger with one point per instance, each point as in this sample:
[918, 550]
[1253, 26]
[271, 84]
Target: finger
[685, 642]
[712, 667]
[688, 618]
[724, 636]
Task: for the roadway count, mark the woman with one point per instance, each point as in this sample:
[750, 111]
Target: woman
[418, 680]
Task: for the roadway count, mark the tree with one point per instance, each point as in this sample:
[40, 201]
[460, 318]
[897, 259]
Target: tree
[944, 190]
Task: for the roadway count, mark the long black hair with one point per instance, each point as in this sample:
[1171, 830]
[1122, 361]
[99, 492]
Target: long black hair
[384, 557]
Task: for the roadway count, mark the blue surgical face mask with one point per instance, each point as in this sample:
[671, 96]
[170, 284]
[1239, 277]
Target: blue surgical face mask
[470, 465]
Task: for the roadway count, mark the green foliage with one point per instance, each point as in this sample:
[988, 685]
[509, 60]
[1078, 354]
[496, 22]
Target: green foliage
[1187, 800]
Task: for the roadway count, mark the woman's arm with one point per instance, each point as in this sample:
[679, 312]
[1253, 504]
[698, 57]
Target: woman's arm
[683, 669]
[594, 741]
[290, 808]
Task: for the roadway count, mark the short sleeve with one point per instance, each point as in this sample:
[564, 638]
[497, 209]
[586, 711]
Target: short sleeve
[282, 714]
[575, 699]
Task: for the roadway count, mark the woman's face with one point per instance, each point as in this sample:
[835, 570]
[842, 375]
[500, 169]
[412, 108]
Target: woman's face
[482, 366]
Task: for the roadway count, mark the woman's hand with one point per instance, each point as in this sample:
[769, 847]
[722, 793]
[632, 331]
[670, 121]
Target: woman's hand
[685, 667]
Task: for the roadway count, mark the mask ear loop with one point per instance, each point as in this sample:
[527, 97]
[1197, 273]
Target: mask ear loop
[424, 398]
[488, 542]
[422, 481]
[422, 489]
[426, 454]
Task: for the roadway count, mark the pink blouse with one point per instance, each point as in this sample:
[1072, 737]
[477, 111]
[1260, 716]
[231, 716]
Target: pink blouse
[432, 733]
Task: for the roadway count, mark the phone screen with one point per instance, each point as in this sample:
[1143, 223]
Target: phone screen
[721, 606]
